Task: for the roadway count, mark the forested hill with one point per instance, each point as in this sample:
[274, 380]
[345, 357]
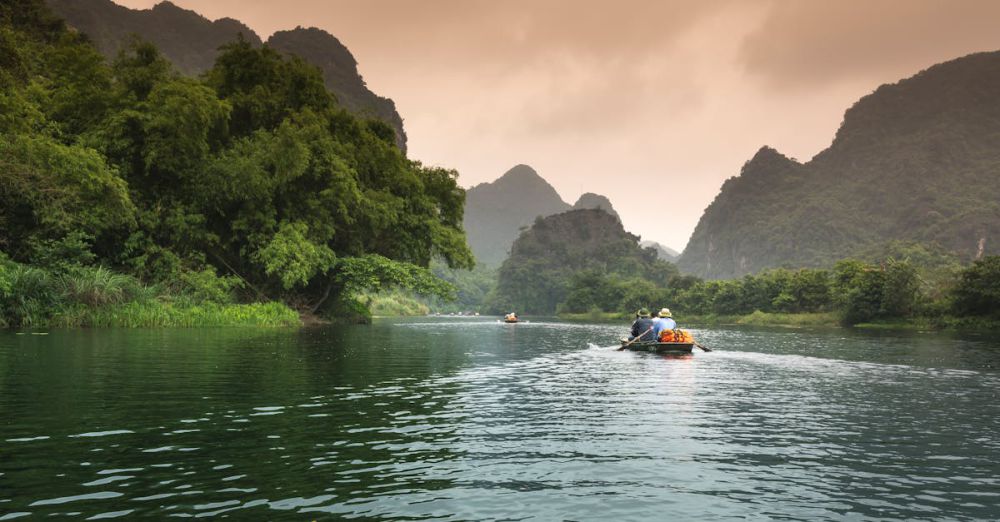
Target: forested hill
[577, 260]
[918, 160]
[252, 172]
[191, 42]
[496, 212]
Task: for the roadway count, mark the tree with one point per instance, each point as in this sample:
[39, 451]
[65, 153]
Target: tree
[978, 288]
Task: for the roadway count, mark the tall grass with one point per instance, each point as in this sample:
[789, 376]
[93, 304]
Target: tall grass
[27, 295]
[98, 287]
[158, 314]
[97, 296]
[394, 304]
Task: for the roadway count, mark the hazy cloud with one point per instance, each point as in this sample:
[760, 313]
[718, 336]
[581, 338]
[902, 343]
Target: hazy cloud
[804, 44]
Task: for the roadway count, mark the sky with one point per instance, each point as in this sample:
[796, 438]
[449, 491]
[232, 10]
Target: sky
[653, 103]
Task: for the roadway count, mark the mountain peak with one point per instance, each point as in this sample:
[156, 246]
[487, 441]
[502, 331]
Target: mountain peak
[519, 174]
[591, 200]
[495, 212]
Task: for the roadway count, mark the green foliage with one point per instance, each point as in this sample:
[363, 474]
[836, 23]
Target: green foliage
[867, 292]
[253, 172]
[159, 314]
[63, 254]
[394, 304]
[292, 258]
[207, 286]
[27, 295]
[98, 286]
[374, 272]
[978, 290]
[48, 190]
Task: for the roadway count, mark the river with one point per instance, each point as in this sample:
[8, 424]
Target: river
[471, 419]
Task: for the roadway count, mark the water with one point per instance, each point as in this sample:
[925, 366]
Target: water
[468, 419]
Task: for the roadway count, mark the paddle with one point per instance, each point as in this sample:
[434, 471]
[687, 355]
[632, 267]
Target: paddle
[699, 345]
[636, 338]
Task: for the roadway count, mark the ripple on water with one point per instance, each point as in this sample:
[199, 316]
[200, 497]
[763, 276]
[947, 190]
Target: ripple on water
[538, 420]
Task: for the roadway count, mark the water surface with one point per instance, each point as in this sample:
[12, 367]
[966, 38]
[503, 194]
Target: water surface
[471, 419]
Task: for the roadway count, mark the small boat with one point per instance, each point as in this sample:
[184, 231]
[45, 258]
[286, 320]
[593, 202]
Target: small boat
[510, 318]
[658, 347]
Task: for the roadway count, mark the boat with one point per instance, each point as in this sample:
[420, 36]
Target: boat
[658, 347]
[510, 318]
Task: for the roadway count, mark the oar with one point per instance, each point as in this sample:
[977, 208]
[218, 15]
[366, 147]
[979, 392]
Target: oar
[699, 345]
[634, 339]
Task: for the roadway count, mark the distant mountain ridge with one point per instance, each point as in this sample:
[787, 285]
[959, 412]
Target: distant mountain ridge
[496, 212]
[918, 160]
[191, 42]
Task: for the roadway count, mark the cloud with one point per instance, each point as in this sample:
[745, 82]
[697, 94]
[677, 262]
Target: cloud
[802, 45]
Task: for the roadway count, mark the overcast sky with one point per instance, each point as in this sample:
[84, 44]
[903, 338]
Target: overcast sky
[651, 103]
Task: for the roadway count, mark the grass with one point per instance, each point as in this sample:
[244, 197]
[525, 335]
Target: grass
[99, 297]
[394, 304]
[158, 314]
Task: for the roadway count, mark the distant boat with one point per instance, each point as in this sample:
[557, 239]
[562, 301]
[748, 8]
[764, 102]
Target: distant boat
[510, 318]
[658, 347]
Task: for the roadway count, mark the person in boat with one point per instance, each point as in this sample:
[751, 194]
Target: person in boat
[643, 327]
[663, 321]
[510, 318]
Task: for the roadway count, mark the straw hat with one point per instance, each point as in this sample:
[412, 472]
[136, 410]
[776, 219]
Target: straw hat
[665, 312]
[643, 312]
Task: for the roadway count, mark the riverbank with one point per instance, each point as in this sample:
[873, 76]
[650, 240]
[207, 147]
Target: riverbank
[755, 319]
[826, 319]
[87, 296]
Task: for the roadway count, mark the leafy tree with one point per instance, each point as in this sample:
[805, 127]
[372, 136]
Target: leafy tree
[978, 288]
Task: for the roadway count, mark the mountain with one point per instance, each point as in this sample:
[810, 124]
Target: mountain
[191, 42]
[662, 251]
[545, 259]
[917, 161]
[591, 200]
[496, 212]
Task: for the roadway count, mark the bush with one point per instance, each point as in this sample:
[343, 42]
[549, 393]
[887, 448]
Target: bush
[978, 290]
[98, 286]
[205, 285]
[27, 295]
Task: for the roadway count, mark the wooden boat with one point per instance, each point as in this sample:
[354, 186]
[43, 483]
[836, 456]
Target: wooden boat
[510, 319]
[658, 347]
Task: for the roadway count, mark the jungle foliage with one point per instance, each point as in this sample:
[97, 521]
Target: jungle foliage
[253, 172]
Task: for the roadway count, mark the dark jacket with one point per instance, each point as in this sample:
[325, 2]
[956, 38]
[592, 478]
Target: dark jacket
[641, 325]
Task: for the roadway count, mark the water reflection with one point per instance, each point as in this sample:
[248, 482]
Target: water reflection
[470, 419]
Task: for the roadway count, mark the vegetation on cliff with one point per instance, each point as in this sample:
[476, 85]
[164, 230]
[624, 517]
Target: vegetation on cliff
[192, 43]
[497, 212]
[562, 262]
[915, 161]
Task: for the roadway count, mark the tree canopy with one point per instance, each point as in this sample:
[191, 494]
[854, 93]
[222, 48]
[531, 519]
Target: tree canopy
[254, 170]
